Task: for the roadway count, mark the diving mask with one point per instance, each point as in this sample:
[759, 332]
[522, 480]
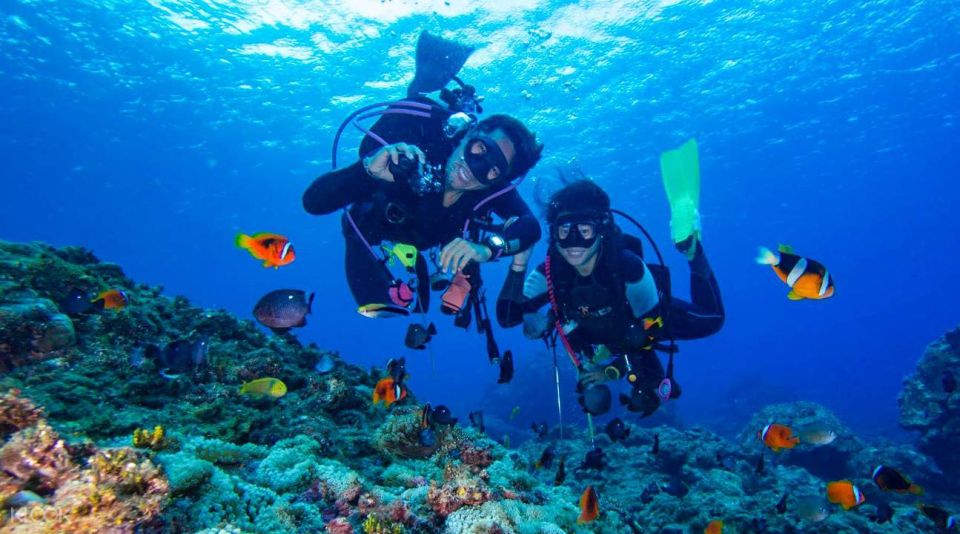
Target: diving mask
[486, 160]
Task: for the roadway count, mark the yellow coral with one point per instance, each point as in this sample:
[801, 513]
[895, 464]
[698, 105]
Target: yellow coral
[147, 439]
[376, 525]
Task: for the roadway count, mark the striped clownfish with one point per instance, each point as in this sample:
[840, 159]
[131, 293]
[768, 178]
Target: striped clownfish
[274, 250]
[808, 279]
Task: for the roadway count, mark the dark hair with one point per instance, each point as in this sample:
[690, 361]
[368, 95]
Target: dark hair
[527, 149]
[584, 196]
[581, 195]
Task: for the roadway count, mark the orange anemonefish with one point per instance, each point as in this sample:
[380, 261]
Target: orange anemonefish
[889, 479]
[845, 494]
[778, 437]
[389, 391]
[274, 249]
[589, 506]
[113, 299]
[808, 279]
[714, 527]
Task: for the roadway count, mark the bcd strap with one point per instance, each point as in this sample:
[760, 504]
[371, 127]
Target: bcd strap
[556, 316]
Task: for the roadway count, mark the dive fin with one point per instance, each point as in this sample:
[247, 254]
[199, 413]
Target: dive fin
[681, 179]
[438, 61]
[792, 295]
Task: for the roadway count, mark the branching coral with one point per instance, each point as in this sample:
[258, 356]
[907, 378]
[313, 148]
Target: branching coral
[150, 439]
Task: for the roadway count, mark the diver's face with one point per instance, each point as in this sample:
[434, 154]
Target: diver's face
[495, 148]
[578, 255]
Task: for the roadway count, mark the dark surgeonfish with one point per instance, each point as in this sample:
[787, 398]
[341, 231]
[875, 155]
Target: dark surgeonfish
[561, 473]
[476, 420]
[617, 430]
[506, 368]
[884, 514]
[546, 458]
[594, 399]
[949, 382]
[419, 335]
[283, 309]
[442, 415]
[77, 302]
[675, 487]
[939, 516]
[781, 506]
[540, 429]
[594, 460]
[179, 357]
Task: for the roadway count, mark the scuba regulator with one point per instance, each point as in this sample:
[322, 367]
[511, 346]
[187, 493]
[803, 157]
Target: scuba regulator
[464, 103]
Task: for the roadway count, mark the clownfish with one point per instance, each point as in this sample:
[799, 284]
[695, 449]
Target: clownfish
[714, 527]
[273, 249]
[113, 299]
[844, 493]
[589, 506]
[808, 279]
[778, 437]
[389, 391]
[889, 479]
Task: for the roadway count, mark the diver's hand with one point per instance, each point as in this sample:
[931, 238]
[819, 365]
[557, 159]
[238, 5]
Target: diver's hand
[456, 254]
[520, 259]
[592, 376]
[378, 165]
[535, 325]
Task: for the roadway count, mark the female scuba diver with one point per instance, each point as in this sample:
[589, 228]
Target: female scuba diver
[609, 308]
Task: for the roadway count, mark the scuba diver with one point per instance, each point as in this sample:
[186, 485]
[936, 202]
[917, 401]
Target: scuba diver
[610, 309]
[429, 176]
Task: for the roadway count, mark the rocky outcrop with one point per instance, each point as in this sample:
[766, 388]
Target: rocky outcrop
[930, 401]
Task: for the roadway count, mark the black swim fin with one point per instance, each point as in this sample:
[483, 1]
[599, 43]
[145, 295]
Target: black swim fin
[438, 61]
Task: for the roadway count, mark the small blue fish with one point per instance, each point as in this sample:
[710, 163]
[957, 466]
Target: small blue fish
[325, 364]
[427, 438]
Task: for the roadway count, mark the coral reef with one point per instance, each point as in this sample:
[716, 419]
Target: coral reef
[74, 488]
[930, 403]
[323, 459]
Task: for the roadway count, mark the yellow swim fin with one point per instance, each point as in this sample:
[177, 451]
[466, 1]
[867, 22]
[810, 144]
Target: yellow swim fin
[681, 179]
[792, 295]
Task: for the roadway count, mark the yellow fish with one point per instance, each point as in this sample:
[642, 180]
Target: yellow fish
[261, 387]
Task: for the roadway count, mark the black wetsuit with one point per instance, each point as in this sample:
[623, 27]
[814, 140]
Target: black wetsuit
[385, 211]
[618, 307]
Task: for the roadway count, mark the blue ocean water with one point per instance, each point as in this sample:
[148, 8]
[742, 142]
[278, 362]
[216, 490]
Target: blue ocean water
[153, 132]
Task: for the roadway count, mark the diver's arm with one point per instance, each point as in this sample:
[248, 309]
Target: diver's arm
[703, 316]
[523, 230]
[338, 189]
[641, 288]
[520, 298]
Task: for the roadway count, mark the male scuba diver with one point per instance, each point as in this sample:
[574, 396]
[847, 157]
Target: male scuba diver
[426, 176]
[610, 309]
